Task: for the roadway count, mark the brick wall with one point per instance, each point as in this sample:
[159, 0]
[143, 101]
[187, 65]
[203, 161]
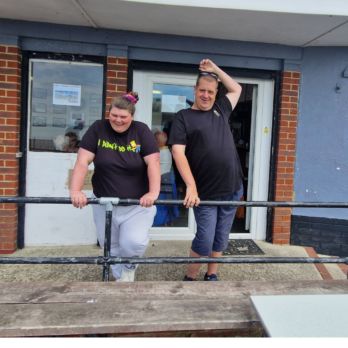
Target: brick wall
[116, 79]
[327, 236]
[10, 78]
[286, 156]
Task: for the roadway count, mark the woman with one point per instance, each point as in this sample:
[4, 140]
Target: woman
[126, 162]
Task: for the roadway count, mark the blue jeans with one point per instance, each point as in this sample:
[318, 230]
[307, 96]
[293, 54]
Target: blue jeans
[214, 225]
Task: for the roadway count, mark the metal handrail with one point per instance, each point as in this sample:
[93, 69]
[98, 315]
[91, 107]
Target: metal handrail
[108, 260]
[99, 260]
[128, 201]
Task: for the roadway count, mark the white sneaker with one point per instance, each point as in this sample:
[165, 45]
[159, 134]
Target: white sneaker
[127, 275]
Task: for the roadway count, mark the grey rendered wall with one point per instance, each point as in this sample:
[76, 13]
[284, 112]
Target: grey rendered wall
[322, 138]
[47, 37]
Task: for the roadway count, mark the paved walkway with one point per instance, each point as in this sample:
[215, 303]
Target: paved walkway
[231, 272]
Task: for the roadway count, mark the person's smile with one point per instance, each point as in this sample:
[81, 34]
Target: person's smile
[120, 120]
[205, 94]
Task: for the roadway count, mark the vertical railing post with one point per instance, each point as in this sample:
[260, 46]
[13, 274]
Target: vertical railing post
[107, 240]
[109, 202]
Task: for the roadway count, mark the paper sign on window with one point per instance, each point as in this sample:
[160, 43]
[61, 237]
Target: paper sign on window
[66, 94]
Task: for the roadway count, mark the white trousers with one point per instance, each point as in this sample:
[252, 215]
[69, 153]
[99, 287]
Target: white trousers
[129, 232]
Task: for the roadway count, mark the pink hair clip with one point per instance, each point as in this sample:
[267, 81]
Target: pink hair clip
[130, 98]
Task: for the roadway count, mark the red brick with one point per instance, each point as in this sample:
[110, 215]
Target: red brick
[284, 112]
[16, 94]
[288, 141]
[283, 135]
[281, 241]
[10, 192]
[8, 206]
[8, 246]
[8, 71]
[13, 78]
[6, 252]
[111, 74]
[123, 61]
[117, 67]
[111, 60]
[122, 74]
[12, 121]
[13, 64]
[8, 56]
[9, 184]
[12, 49]
[121, 89]
[117, 81]
[287, 74]
[294, 87]
[286, 86]
[6, 85]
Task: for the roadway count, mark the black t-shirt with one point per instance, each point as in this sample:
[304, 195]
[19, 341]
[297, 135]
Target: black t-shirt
[119, 167]
[210, 148]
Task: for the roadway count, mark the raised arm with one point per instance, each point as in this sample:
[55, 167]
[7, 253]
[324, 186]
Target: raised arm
[234, 89]
[191, 197]
[84, 158]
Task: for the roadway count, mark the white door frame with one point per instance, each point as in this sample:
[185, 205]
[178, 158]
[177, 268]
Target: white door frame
[261, 146]
[260, 155]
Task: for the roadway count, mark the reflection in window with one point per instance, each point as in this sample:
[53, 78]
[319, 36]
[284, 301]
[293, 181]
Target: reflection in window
[167, 100]
[66, 98]
[69, 142]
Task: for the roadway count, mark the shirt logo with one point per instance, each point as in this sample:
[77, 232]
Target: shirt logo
[216, 113]
[131, 147]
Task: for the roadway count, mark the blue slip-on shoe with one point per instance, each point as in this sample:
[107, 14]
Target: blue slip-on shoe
[211, 277]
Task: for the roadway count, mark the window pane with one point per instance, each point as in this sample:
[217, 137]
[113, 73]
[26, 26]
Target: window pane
[166, 101]
[66, 98]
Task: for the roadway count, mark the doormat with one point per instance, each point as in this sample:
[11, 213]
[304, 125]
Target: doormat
[242, 247]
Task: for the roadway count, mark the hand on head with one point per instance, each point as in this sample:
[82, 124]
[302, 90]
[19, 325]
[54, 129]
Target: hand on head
[207, 65]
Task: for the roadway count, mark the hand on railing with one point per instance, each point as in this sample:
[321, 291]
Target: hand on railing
[191, 198]
[148, 199]
[78, 199]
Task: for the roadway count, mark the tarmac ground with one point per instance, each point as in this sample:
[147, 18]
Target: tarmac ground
[167, 272]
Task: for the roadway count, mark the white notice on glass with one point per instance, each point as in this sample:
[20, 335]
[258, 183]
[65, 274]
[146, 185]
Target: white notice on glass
[173, 103]
[66, 94]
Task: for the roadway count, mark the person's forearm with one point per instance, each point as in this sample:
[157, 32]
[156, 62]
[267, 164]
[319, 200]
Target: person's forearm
[78, 176]
[154, 175]
[231, 85]
[184, 169]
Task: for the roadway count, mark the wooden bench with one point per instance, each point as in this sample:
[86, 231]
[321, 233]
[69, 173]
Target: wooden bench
[142, 308]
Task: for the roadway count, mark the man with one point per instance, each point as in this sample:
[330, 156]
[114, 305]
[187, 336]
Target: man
[206, 157]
